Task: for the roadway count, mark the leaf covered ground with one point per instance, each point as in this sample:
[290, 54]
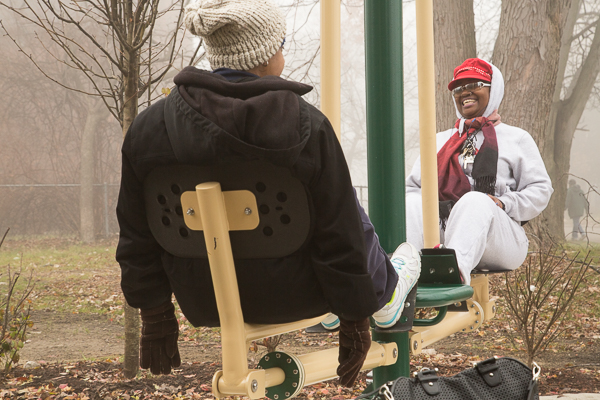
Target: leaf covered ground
[77, 301]
[104, 380]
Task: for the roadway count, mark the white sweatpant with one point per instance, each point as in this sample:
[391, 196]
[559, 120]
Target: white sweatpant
[480, 232]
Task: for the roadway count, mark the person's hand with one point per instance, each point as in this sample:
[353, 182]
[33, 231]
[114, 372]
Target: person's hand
[355, 341]
[495, 118]
[158, 344]
[498, 202]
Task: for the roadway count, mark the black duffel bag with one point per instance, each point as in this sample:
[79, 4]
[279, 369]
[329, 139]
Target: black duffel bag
[493, 379]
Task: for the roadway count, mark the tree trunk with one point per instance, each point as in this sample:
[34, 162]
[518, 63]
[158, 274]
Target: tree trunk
[131, 356]
[527, 52]
[555, 209]
[454, 38]
[86, 173]
[567, 116]
[132, 318]
[130, 101]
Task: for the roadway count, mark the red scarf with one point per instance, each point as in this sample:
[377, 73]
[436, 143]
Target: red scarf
[452, 181]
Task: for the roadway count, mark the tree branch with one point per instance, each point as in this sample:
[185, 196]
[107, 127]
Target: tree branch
[580, 87]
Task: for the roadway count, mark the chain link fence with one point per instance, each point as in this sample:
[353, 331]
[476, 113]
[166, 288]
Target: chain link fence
[46, 209]
[42, 209]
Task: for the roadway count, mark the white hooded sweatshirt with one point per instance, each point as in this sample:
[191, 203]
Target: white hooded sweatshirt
[522, 182]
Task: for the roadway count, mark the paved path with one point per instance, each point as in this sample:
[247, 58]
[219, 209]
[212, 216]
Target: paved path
[573, 397]
[592, 229]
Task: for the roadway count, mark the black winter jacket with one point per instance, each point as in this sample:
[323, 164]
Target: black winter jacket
[257, 118]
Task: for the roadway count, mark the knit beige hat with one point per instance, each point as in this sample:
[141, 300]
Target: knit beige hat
[238, 34]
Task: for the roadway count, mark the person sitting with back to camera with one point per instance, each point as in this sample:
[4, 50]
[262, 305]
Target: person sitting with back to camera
[243, 110]
[491, 178]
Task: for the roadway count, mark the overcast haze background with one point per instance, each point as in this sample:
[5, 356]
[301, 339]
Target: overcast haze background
[302, 64]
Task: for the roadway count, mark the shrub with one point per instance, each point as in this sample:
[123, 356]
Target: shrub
[539, 296]
[15, 308]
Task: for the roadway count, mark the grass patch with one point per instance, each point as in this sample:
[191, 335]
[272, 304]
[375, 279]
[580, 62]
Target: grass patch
[69, 276]
[74, 277]
[584, 317]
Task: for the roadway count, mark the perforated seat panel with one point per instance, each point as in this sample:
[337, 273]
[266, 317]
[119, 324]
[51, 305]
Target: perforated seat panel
[281, 198]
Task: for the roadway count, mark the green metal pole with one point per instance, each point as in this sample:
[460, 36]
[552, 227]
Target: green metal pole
[385, 120]
[385, 147]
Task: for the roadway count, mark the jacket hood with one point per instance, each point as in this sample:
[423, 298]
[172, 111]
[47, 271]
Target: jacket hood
[209, 118]
[496, 95]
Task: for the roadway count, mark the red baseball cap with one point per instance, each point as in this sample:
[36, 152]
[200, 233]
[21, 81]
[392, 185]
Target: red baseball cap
[471, 68]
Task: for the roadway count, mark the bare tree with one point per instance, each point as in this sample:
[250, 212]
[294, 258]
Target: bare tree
[116, 45]
[302, 48]
[579, 64]
[95, 114]
[40, 128]
[527, 52]
[549, 53]
[453, 30]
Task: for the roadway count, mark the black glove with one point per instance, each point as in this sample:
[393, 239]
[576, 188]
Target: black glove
[158, 344]
[355, 341]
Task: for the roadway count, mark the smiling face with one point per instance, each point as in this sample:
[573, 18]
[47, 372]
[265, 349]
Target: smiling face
[472, 104]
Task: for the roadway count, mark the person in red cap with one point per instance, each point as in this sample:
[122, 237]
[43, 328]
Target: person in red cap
[491, 178]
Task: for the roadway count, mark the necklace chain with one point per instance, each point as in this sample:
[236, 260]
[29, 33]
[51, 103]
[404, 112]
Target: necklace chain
[469, 151]
[469, 148]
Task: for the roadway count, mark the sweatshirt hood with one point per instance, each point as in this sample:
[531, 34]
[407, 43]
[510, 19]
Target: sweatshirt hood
[210, 119]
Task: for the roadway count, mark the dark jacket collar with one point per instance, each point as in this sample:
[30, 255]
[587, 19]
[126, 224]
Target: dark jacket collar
[234, 75]
[208, 116]
[191, 76]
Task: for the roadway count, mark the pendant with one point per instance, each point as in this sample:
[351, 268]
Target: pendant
[468, 160]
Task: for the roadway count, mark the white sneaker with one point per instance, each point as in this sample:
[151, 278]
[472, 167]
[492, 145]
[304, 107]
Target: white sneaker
[407, 263]
[331, 322]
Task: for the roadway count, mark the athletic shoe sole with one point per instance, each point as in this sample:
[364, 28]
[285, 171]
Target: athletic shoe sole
[414, 254]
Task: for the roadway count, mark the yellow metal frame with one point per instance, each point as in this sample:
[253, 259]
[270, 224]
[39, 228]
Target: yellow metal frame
[480, 309]
[427, 134]
[242, 211]
[330, 63]
[481, 289]
[218, 215]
